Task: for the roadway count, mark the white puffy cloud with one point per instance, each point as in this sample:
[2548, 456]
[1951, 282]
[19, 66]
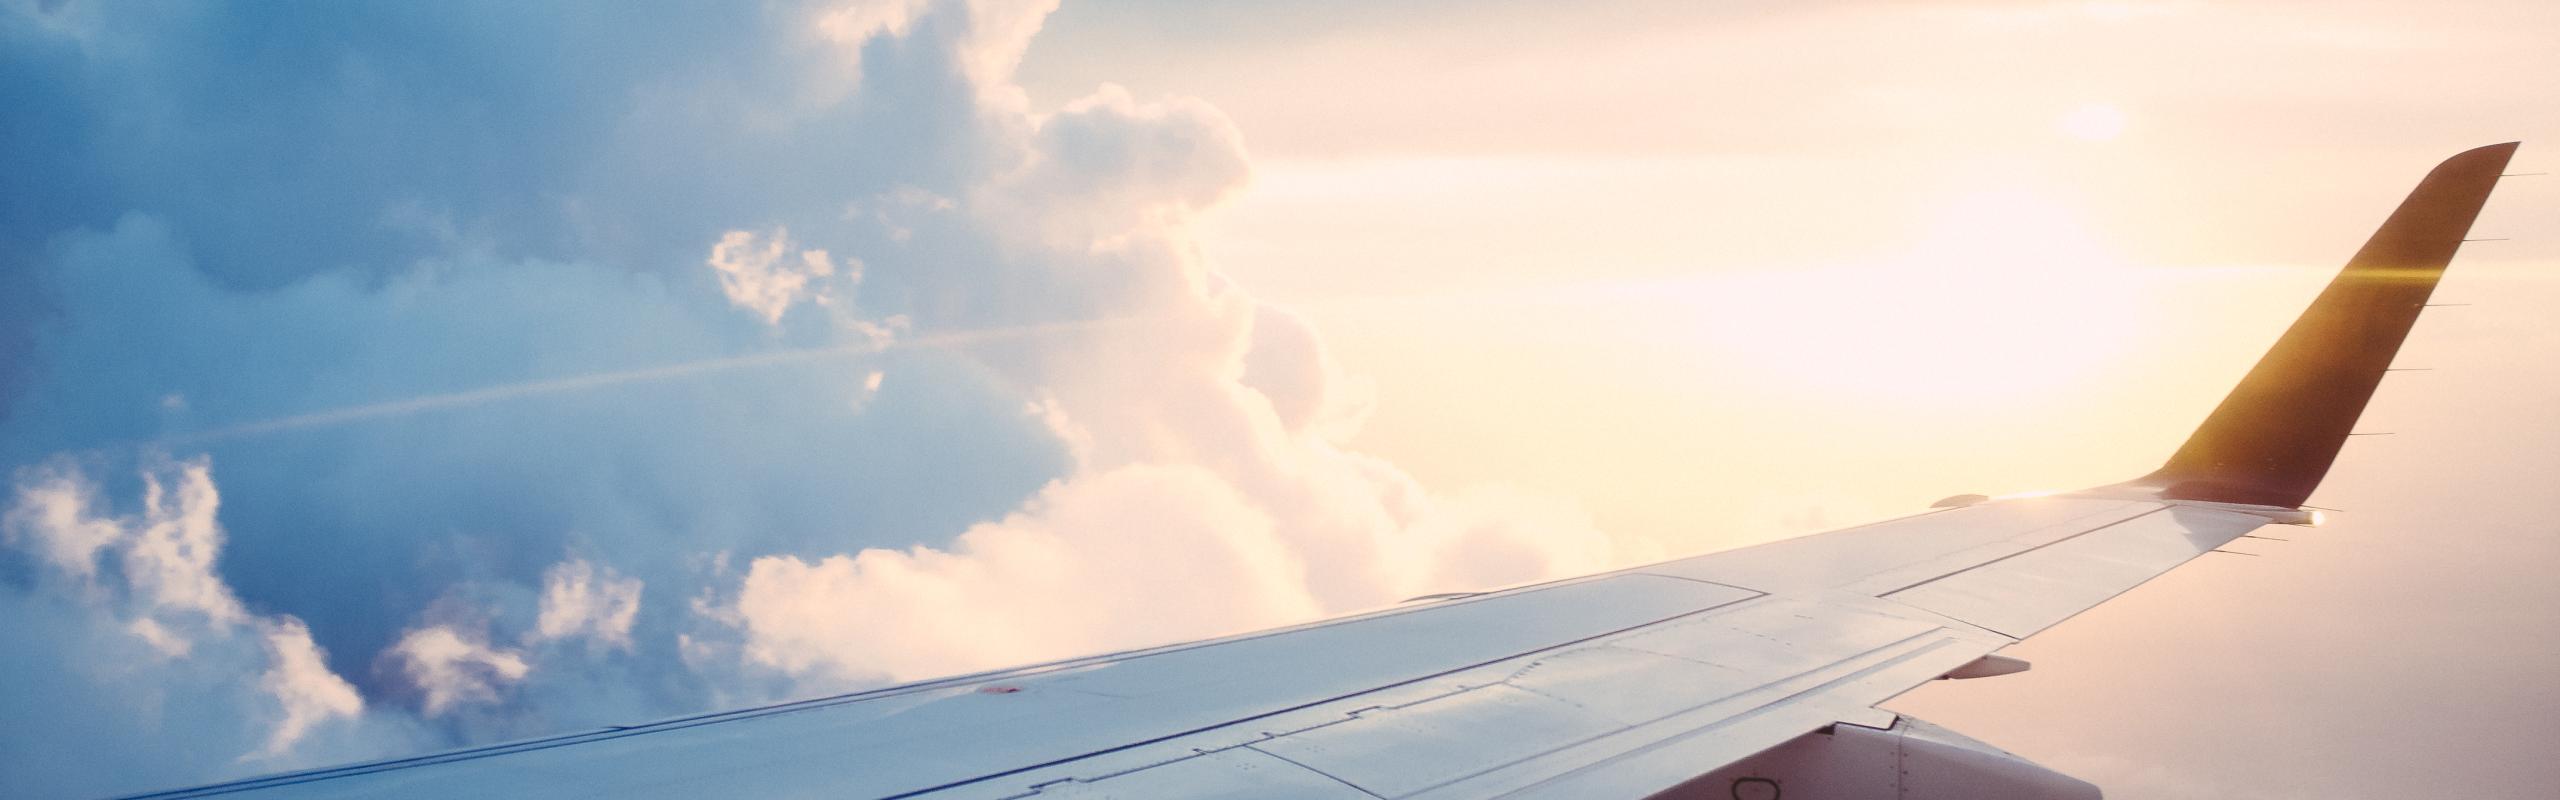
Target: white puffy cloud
[1133, 556]
[851, 24]
[306, 692]
[168, 561]
[1045, 426]
[162, 578]
[1109, 169]
[51, 516]
[165, 638]
[451, 668]
[1288, 365]
[582, 599]
[992, 33]
[1204, 427]
[767, 273]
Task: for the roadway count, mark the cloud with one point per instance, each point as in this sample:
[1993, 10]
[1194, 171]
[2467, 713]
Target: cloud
[481, 339]
[581, 599]
[1134, 556]
[147, 636]
[453, 669]
[303, 685]
[169, 560]
[52, 517]
[163, 557]
[766, 274]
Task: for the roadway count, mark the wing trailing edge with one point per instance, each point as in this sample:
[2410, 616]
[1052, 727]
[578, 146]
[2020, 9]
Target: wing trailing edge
[2276, 435]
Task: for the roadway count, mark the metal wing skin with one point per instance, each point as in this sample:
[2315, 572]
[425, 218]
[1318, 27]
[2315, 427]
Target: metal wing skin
[1722, 675]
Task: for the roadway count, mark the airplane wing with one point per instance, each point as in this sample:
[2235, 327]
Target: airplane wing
[1743, 674]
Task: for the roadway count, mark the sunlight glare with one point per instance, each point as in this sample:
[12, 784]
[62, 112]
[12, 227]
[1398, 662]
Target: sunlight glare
[2093, 122]
[2006, 293]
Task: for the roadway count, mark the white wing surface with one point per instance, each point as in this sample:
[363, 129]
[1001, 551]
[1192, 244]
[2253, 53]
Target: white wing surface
[1721, 675]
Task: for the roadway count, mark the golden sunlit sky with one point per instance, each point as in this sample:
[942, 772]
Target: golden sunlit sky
[1869, 229]
[1721, 273]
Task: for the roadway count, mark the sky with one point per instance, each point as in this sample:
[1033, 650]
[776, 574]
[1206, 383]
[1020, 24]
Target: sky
[378, 378]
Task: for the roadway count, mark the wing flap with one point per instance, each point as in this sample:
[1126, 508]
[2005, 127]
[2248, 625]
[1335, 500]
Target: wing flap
[2021, 594]
[1235, 772]
[1649, 703]
[1652, 758]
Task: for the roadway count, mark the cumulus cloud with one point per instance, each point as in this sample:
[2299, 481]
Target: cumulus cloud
[303, 686]
[163, 556]
[146, 629]
[1109, 171]
[581, 599]
[168, 562]
[602, 301]
[453, 669]
[1133, 556]
[764, 273]
[1287, 364]
[52, 518]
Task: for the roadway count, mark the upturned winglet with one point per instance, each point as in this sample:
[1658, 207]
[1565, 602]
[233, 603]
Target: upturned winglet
[2275, 436]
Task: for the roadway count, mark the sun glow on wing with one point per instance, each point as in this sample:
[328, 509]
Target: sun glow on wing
[2006, 292]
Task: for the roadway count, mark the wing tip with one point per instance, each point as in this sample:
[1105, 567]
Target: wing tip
[2275, 436]
[2492, 156]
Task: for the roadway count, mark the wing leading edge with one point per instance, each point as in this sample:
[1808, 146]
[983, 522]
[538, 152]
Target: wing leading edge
[1656, 679]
